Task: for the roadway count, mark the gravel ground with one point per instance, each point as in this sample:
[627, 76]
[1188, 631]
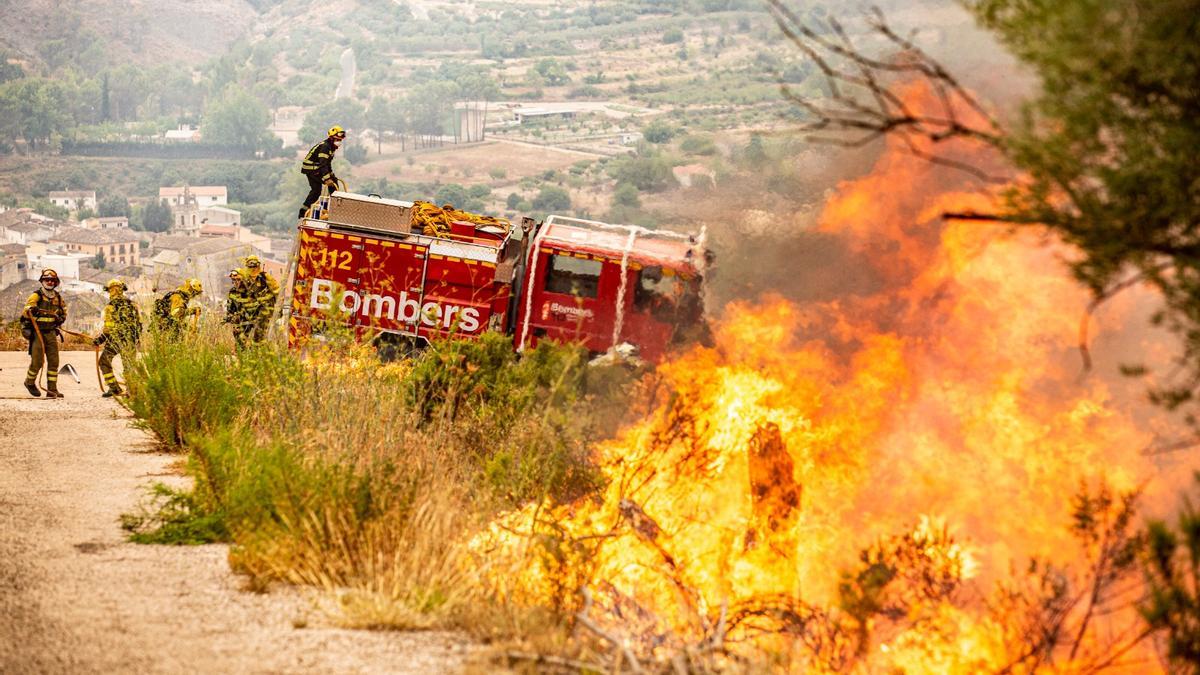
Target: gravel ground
[75, 597]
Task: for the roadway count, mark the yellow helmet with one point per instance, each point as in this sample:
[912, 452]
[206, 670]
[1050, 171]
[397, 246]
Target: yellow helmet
[251, 261]
[335, 130]
[115, 283]
[49, 275]
[193, 286]
[235, 274]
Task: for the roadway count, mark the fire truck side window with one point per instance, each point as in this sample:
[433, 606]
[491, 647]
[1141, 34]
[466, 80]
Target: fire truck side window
[574, 276]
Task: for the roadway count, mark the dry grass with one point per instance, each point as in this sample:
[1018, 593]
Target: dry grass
[368, 480]
[465, 164]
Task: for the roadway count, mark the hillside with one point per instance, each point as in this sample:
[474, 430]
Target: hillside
[110, 33]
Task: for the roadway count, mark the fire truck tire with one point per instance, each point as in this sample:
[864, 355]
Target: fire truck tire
[393, 347]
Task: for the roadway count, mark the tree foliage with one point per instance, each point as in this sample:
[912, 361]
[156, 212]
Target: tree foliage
[428, 107]
[237, 118]
[344, 112]
[379, 118]
[648, 173]
[33, 109]
[626, 195]
[658, 132]
[113, 205]
[155, 217]
[552, 199]
[551, 72]
[1172, 565]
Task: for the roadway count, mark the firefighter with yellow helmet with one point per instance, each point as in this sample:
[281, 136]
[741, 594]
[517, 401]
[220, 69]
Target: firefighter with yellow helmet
[172, 309]
[45, 311]
[234, 302]
[122, 330]
[318, 167]
[259, 293]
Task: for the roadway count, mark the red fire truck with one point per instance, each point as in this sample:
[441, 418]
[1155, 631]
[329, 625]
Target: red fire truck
[361, 262]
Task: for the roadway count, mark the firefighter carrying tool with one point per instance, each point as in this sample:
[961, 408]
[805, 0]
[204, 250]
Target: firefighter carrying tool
[172, 308]
[318, 167]
[44, 313]
[258, 295]
[122, 330]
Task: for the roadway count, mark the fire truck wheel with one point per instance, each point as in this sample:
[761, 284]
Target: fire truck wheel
[393, 347]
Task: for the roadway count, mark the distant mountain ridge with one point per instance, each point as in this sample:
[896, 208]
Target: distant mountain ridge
[111, 32]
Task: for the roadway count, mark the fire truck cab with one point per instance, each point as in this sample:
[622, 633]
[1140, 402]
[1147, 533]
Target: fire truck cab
[362, 264]
[603, 285]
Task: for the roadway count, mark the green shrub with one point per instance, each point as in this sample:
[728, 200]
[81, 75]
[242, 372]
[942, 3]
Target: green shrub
[342, 472]
[550, 199]
[178, 387]
[658, 132]
[698, 145]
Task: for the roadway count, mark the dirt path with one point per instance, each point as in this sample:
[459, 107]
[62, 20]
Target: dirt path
[76, 597]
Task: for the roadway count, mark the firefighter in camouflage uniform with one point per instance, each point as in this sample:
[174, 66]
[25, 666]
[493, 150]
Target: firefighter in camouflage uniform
[45, 311]
[171, 310]
[318, 167]
[122, 330]
[258, 295]
[235, 314]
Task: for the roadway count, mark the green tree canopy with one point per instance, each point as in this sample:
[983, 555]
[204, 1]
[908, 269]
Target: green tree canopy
[343, 112]
[428, 107]
[34, 109]
[551, 199]
[648, 174]
[626, 195]
[379, 117]
[113, 205]
[552, 72]
[9, 71]
[237, 118]
[155, 217]
[451, 193]
[658, 131]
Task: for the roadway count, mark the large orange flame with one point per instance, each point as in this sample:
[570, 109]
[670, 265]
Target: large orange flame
[951, 401]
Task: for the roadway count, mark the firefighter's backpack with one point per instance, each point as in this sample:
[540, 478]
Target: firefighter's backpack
[128, 321]
[162, 306]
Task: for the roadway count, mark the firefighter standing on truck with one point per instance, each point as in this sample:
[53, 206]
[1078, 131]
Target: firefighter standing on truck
[260, 290]
[171, 310]
[44, 313]
[318, 166]
[122, 330]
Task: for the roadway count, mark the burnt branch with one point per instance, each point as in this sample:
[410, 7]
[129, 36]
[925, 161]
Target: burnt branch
[861, 103]
[983, 217]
